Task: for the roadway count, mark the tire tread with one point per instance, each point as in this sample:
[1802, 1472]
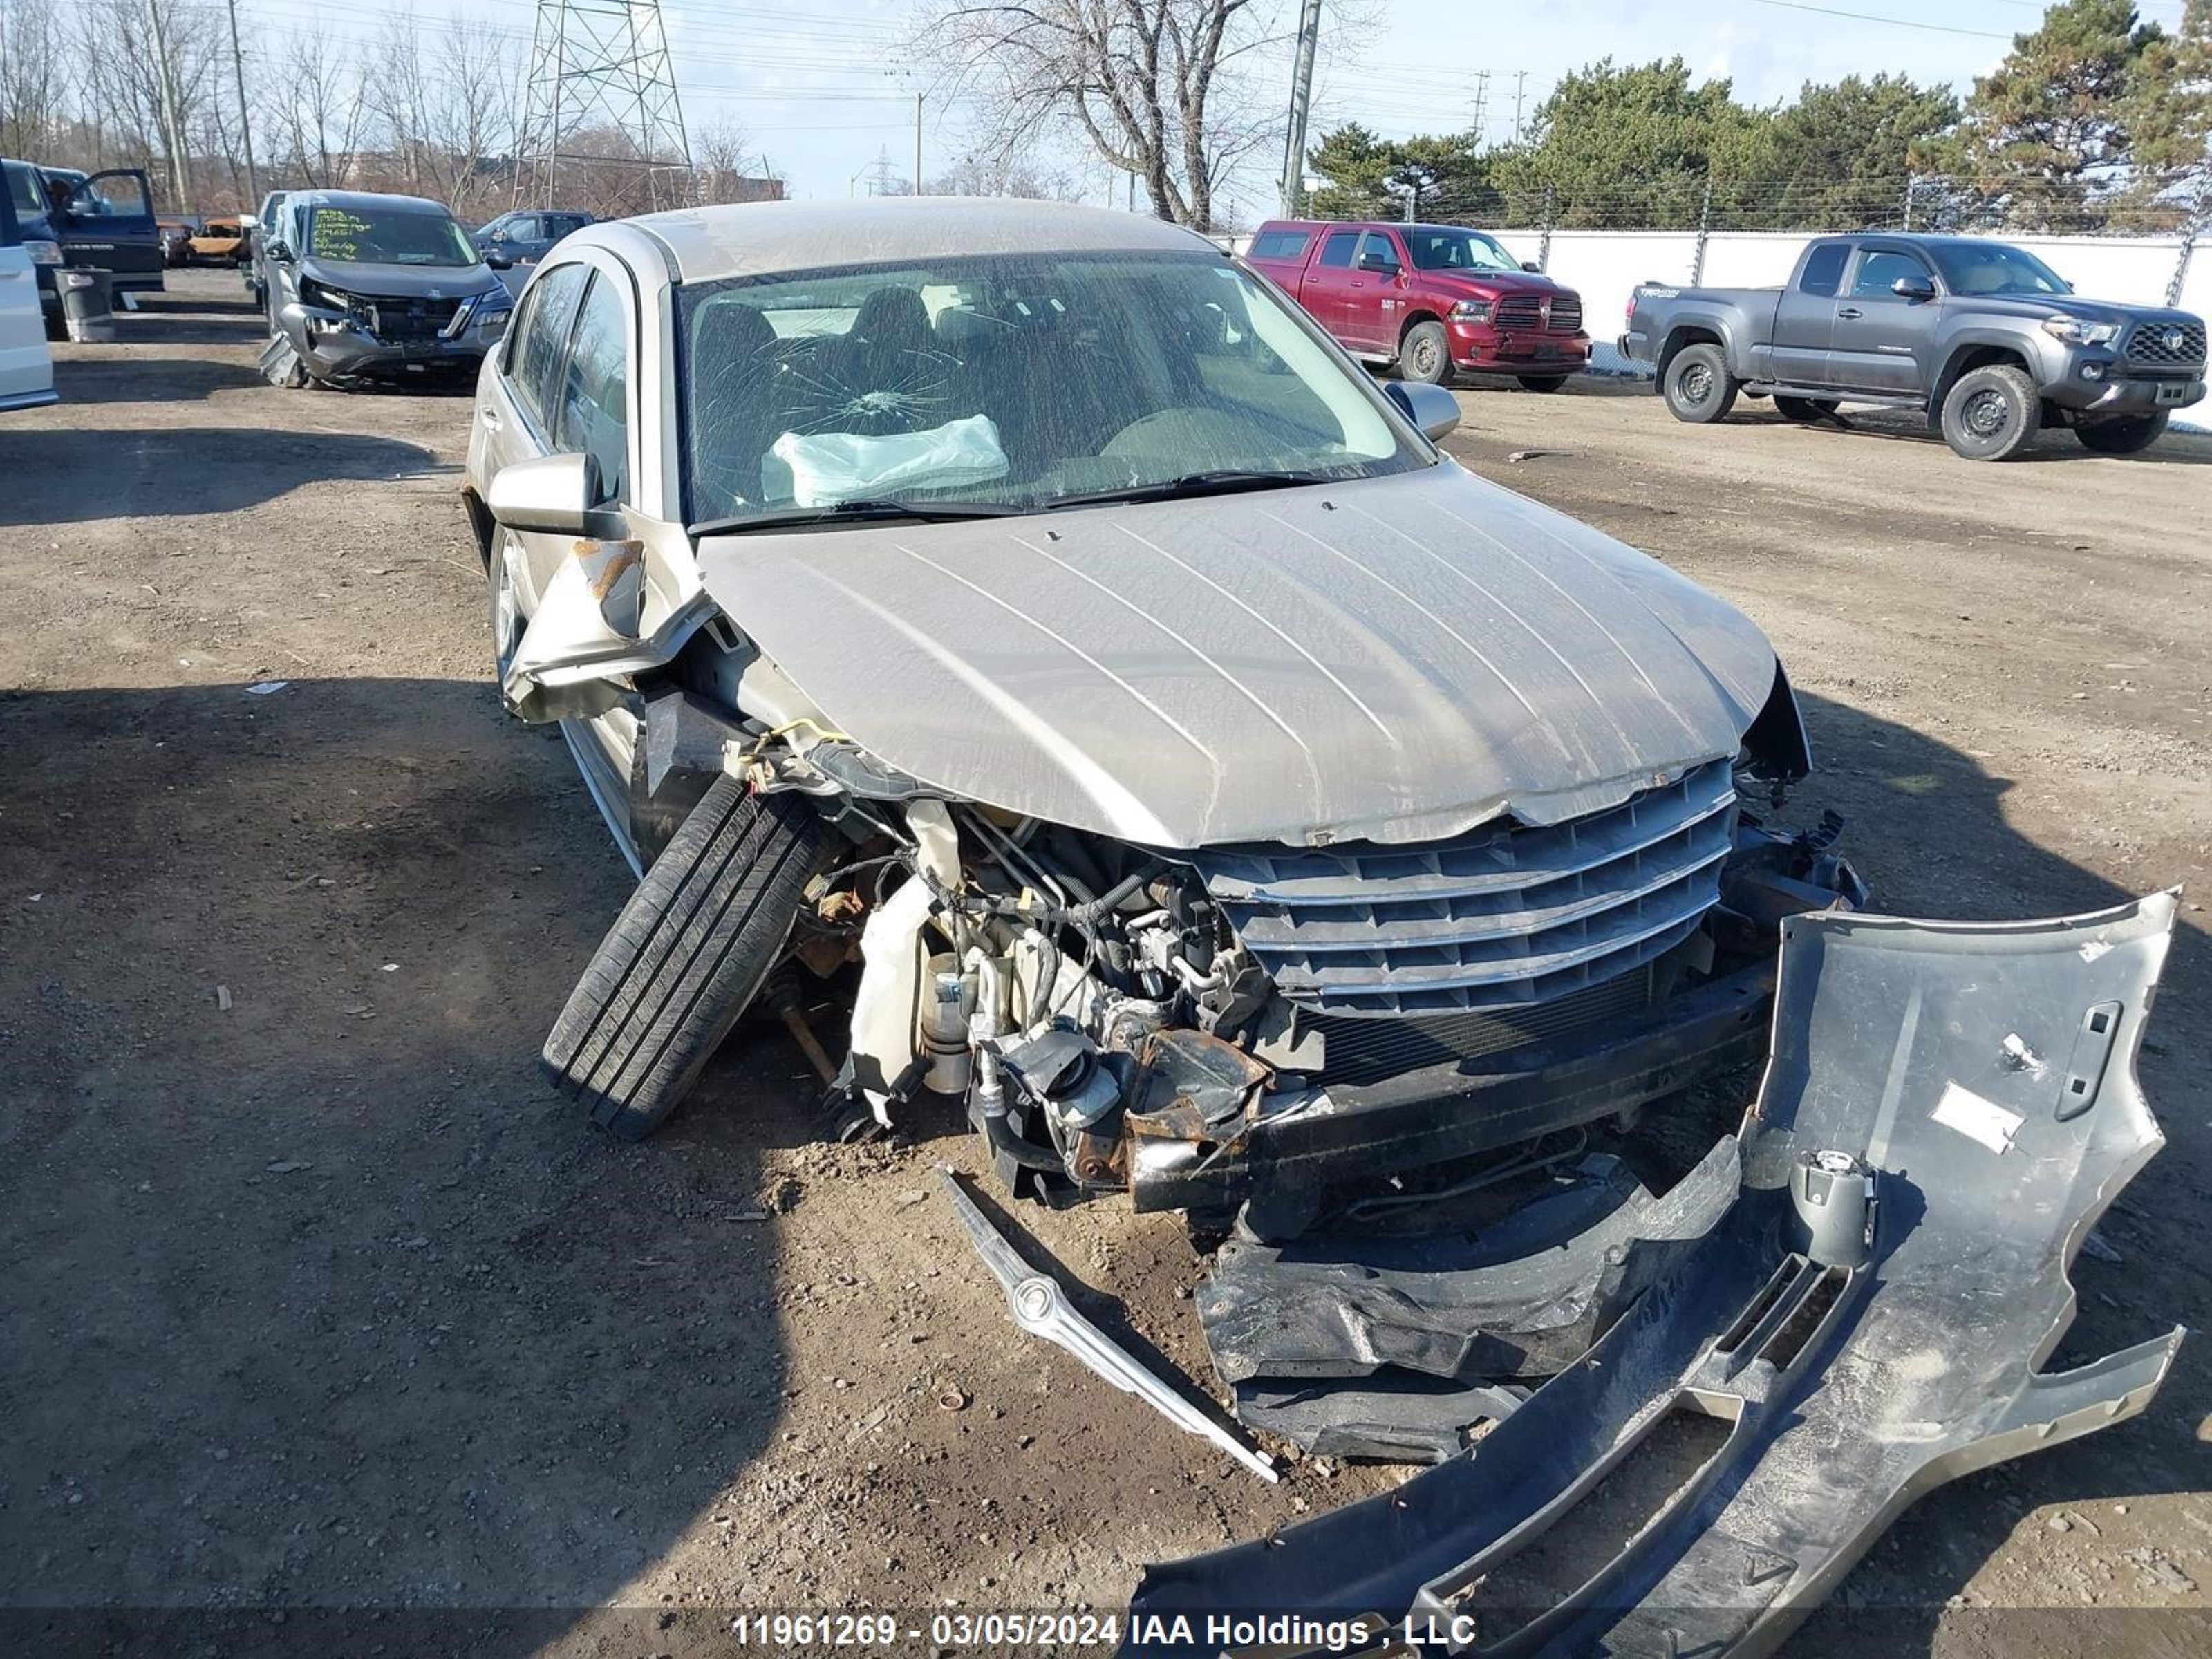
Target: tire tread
[687, 954]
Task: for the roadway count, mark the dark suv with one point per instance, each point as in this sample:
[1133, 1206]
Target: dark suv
[362, 287]
[100, 220]
[526, 235]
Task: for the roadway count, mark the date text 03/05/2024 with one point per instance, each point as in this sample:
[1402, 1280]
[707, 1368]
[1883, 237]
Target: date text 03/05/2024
[993, 1630]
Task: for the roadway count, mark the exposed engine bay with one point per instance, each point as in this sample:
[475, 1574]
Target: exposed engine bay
[1120, 1017]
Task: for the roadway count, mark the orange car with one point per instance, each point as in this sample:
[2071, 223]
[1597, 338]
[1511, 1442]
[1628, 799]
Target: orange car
[220, 241]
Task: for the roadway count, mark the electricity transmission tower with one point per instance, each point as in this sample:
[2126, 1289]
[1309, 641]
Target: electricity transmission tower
[601, 94]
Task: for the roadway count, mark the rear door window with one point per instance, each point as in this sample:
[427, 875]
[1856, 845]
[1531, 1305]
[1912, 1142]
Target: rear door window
[1336, 253]
[1824, 269]
[542, 334]
[593, 416]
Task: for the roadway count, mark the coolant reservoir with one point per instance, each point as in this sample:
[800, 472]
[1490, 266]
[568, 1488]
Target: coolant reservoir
[949, 998]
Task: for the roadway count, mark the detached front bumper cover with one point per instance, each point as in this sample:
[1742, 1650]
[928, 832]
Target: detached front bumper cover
[1948, 1110]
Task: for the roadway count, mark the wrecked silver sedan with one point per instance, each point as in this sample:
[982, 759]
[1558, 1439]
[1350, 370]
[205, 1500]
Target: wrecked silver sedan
[1026, 617]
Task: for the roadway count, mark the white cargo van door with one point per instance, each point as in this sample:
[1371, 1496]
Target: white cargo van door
[26, 367]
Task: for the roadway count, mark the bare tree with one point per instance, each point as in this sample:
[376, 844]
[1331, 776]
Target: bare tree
[729, 169]
[444, 110]
[1006, 175]
[320, 111]
[1155, 86]
[34, 79]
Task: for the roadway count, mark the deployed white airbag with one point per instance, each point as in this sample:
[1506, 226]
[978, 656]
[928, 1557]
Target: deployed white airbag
[829, 467]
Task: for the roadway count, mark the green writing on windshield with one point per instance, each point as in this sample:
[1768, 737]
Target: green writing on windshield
[337, 235]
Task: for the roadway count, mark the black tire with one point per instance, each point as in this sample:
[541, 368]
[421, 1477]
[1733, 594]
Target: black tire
[1992, 413]
[1426, 355]
[2123, 435]
[1697, 386]
[1542, 382]
[688, 953]
[1803, 408]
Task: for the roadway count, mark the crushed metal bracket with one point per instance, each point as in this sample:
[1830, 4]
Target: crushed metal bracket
[1039, 1307]
[1868, 1320]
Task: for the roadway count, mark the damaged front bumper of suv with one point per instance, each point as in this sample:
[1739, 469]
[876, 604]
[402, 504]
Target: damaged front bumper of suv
[1948, 1110]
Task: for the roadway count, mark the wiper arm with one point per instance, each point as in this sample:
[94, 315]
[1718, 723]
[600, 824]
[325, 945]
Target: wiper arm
[859, 512]
[1220, 482]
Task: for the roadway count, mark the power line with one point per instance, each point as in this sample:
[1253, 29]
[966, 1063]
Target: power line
[1894, 22]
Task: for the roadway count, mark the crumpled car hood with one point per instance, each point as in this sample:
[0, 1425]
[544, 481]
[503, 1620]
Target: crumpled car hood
[401, 282]
[1393, 660]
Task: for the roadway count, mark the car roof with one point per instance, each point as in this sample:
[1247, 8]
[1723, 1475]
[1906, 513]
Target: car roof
[365, 199]
[757, 238]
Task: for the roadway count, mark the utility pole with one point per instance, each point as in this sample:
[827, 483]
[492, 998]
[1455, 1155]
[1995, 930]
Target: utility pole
[244, 120]
[171, 128]
[603, 65]
[917, 144]
[1294, 146]
[1482, 104]
[1520, 91]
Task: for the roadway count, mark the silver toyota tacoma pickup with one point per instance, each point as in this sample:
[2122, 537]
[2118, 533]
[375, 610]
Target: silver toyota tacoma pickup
[1026, 620]
[1984, 337]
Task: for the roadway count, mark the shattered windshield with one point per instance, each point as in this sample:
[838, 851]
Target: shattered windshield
[387, 239]
[1457, 250]
[1008, 383]
[1993, 268]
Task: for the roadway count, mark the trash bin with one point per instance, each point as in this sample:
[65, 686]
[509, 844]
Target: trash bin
[89, 305]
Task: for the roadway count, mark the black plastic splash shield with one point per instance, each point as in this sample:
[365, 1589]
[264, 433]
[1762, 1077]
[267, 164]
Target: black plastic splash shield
[1986, 1074]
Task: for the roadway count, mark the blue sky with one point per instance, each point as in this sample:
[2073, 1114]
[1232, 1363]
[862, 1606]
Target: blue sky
[821, 88]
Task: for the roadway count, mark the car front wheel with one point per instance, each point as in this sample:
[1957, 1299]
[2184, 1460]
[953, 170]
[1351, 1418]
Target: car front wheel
[1426, 355]
[2123, 435]
[690, 950]
[1992, 413]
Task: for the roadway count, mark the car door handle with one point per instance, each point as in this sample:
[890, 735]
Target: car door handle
[1851, 311]
[490, 416]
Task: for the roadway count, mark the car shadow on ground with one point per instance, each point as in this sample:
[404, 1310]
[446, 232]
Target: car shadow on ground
[230, 470]
[2175, 448]
[338, 1305]
[339, 1311]
[86, 378]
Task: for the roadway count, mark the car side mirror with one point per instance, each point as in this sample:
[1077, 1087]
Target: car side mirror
[1376, 262]
[550, 496]
[278, 250]
[1431, 408]
[499, 258]
[1913, 287]
[1530, 265]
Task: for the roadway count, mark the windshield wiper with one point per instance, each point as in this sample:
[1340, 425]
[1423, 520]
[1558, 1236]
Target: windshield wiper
[861, 512]
[1222, 480]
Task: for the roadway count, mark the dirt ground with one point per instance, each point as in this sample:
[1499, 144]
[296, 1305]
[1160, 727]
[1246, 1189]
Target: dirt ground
[318, 1298]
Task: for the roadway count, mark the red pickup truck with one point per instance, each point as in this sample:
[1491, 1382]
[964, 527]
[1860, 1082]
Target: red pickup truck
[1430, 298]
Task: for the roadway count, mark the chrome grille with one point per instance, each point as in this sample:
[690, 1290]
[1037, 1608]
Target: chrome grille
[1518, 311]
[2177, 343]
[1363, 1051]
[1506, 917]
[1526, 312]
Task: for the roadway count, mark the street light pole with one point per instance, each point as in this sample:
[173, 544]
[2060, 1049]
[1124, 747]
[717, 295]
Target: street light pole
[245, 119]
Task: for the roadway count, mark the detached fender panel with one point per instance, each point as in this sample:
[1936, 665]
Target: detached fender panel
[1981, 1077]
